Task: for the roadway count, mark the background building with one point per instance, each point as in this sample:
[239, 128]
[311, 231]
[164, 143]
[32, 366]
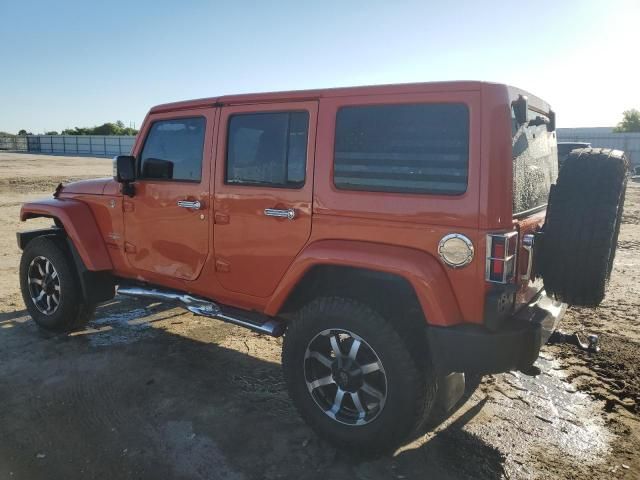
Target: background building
[604, 137]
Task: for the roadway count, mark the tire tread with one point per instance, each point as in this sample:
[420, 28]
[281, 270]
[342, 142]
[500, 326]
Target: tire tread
[75, 311]
[418, 374]
[583, 222]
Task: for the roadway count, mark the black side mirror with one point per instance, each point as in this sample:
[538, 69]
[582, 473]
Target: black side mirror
[125, 173]
[520, 109]
[125, 168]
[157, 168]
[551, 126]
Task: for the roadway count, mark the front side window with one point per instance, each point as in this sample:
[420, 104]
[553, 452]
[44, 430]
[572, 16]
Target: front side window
[173, 150]
[267, 149]
[404, 148]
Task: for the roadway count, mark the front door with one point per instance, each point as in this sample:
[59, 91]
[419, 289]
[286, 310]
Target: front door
[263, 192]
[167, 220]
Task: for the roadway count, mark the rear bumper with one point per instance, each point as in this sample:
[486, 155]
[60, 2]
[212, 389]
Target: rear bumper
[475, 349]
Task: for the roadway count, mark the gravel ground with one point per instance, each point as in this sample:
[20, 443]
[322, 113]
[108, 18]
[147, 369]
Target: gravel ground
[147, 391]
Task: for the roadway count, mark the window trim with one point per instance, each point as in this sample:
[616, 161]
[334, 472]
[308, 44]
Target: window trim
[139, 176]
[365, 189]
[264, 185]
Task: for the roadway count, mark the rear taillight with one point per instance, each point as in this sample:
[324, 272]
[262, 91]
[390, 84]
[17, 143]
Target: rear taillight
[501, 257]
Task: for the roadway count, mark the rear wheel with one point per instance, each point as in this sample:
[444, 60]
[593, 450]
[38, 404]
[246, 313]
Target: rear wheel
[583, 221]
[50, 287]
[352, 378]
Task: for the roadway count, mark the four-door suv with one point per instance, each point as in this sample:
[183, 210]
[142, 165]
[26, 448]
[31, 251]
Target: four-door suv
[396, 235]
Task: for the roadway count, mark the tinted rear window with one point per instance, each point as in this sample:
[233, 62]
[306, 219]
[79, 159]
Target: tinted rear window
[535, 165]
[268, 149]
[405, 148]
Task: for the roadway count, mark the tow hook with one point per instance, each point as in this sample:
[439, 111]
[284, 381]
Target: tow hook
[592, 345]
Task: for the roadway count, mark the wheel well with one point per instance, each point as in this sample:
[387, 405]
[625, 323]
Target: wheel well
[391, 295]
[27, 236]
[97, 286]
[381, 290]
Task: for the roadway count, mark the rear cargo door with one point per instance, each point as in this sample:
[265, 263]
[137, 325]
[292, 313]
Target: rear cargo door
[535, 169]
[263, 192]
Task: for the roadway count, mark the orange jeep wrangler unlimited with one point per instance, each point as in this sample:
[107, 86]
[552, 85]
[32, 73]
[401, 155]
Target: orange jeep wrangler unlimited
[395, 235]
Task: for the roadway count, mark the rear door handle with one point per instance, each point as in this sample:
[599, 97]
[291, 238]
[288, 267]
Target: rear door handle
[289, 213]
[195, 205]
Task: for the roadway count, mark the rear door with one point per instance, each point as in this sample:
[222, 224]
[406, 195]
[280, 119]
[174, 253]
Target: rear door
[263, 192]
[167, 219]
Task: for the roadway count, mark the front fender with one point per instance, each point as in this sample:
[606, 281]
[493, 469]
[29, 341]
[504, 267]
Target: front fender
[425, 274]
[79, 225]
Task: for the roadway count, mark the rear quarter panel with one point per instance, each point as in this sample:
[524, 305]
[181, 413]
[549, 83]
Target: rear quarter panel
[416, 222]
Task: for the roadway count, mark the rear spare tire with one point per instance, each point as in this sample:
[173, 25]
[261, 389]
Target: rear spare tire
[581, 230]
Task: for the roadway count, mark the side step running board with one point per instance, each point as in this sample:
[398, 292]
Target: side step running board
[200, 306]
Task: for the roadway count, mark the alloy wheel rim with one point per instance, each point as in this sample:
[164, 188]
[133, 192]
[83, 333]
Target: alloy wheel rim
[44, 285]
[345, 377]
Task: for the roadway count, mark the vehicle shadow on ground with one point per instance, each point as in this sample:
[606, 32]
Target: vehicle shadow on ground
[126, 398]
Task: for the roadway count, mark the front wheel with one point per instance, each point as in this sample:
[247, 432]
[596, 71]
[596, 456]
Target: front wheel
[50, 287]
[351, 376]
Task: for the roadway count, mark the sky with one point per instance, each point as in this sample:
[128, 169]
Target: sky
[79, 63]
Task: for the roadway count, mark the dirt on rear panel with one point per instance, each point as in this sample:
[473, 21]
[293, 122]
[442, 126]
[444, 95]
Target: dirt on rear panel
[147, 391]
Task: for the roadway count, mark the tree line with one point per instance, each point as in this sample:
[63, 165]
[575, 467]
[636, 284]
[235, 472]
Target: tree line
[109, 128]
[630, 122]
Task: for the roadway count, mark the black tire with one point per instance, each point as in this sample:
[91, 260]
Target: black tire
[582, 226]
[411, 384]
[71, 311]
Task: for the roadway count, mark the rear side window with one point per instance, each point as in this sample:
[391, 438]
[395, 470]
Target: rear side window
[173, 150]
[405, 148]
[267, 149]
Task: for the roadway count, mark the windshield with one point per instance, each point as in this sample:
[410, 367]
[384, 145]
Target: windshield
[535, 164]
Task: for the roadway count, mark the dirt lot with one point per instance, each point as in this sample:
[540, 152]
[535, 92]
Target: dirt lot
[149, 392]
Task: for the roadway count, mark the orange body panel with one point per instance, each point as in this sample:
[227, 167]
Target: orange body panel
[80, 226]
[160, 236]
[422, 270]
[230, 252]
[253, 251]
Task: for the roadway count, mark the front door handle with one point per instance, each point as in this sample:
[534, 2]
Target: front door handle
[289, 213]
[195, 205]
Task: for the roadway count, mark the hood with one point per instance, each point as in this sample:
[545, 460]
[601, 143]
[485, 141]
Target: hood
[95, 186]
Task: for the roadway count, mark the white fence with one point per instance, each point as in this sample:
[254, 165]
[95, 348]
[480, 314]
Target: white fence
[605, 138]
[98, 145]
